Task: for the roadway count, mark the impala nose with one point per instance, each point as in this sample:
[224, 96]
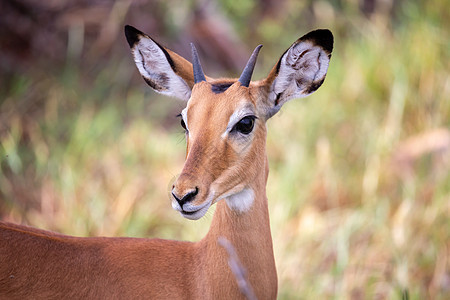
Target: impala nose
[189, 196]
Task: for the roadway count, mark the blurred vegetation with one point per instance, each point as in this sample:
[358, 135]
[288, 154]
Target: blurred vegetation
[359, 188]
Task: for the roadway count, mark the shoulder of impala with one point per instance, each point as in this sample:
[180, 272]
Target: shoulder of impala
[226, 163]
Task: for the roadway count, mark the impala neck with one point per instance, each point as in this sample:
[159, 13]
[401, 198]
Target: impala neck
[249, 233]
[228, 218]
[235, 225]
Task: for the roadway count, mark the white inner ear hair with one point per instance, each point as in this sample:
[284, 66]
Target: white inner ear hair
[153, 65]
[309, 59]
[301, 66]
[242, 201]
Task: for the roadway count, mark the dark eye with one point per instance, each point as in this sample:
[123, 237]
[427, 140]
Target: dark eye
[183, 124]
[245, 125]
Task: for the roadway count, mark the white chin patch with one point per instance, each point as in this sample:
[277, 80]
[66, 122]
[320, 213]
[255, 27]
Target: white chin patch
[196, 214]
[242, 201]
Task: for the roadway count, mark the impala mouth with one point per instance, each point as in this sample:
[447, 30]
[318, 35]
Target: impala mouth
[192, 212]
[196, 214]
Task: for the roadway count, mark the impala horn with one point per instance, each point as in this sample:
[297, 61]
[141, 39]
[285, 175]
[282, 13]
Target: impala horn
[246, 75]
[199, 76]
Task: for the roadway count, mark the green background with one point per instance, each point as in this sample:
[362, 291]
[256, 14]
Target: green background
[359, 186]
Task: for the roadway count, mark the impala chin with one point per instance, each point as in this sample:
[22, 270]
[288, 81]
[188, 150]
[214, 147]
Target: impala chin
[196, 214]
[190, 211]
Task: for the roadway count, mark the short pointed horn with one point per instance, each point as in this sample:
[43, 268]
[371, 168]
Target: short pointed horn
[198, 71]
[246, 75]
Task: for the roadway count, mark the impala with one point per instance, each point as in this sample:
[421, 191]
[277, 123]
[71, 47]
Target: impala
[226, 165]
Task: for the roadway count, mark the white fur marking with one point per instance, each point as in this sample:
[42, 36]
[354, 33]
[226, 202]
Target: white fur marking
[241, 201]
[184, 116]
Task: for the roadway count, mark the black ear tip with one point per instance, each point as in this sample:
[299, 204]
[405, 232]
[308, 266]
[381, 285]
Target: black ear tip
[321, 37]
[132, 35]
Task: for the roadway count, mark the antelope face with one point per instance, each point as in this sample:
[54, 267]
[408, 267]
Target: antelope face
[225, 142]
[225, 119]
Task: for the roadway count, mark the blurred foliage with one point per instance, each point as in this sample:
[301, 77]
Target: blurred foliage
[359, 188]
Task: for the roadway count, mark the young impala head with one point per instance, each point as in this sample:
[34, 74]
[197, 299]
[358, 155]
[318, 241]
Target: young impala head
[225, 119]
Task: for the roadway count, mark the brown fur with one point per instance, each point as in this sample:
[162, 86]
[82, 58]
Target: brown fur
[47, 265]
[43, 265]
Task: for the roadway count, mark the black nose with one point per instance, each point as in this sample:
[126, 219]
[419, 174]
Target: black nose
[186, 198]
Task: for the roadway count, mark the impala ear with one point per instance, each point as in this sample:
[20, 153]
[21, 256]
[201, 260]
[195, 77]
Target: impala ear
[165, 71]
[300, 71]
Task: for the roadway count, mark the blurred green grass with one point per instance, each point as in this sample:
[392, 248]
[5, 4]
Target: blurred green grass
[359, 198]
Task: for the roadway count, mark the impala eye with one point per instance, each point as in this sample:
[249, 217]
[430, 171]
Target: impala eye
[245, 125]
[183, 124]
